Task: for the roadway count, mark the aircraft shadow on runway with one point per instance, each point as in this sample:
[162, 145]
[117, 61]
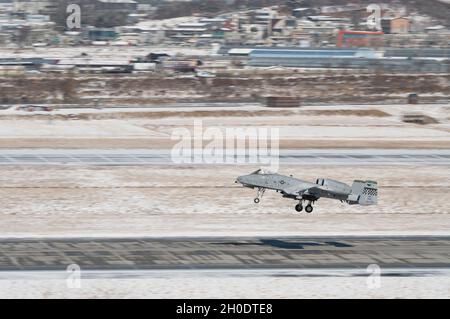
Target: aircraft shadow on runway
[280, 244]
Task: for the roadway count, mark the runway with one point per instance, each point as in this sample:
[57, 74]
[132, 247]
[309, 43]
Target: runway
[290, 253]
[164, 157]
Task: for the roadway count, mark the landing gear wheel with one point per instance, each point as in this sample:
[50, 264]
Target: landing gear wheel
[299, 208]
[309, 209]
[260, 194]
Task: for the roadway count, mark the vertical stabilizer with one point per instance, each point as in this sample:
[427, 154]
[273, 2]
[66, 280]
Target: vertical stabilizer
[364, 193]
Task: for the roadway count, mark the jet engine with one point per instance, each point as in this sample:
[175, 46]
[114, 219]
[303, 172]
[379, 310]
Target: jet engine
[334, 186]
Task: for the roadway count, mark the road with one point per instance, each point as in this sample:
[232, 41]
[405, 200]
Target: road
[301, 253]
[164, 157]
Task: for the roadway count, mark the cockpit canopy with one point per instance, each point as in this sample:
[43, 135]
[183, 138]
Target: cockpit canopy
[262, 171]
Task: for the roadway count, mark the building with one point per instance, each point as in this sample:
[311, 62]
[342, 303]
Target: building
[102, 34]
[32, 6]
[146, 35]
[186, 33]
[400, 25]
[307, 57]
[342, 8]
[263, 16]
[350, 39]
[396, 25]
[364, 59]
[30, 29]
[439, 53]
[281, 26]
[214, 23]
[303, 12]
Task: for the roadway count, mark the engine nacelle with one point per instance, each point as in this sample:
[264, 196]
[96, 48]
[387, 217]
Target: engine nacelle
[334, 186]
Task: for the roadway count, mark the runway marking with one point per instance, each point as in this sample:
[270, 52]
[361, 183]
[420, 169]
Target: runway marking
[163, 157]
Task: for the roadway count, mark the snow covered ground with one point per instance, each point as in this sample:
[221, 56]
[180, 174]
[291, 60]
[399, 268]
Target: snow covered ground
[128, 129]
[123, 53]
[152, 128]
[200, 284]
[205, 201]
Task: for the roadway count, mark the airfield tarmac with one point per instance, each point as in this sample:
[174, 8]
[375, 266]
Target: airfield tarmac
[225, 253]
[229, 267]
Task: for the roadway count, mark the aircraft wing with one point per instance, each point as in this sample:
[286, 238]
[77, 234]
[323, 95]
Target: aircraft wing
[300, 190]
[313, 190]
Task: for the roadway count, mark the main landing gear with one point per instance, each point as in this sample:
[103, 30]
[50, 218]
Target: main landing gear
[260, 194]
[309, 208]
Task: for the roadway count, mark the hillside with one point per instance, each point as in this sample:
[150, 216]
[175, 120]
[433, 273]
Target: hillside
[437, 9]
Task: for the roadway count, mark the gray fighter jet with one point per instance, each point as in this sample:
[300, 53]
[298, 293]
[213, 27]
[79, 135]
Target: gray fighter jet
[360, 193]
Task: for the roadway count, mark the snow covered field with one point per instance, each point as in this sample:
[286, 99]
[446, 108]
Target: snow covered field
[119, 53]
[308, 127]
[205, 201]
[200, 285]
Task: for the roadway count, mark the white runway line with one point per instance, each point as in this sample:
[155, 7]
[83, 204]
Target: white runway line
[163, 157]
[218, 273]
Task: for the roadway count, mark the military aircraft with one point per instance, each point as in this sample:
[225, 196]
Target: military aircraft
[360, 193]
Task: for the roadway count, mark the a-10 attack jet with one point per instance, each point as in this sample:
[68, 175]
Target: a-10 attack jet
[360, 193]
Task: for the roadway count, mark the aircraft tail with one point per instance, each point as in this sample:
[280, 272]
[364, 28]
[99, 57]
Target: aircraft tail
[364, 193]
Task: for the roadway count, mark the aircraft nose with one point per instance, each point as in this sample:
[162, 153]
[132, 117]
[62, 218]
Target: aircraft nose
[240, 179]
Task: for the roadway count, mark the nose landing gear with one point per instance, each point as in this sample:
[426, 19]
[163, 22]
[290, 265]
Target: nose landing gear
[260, 194]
